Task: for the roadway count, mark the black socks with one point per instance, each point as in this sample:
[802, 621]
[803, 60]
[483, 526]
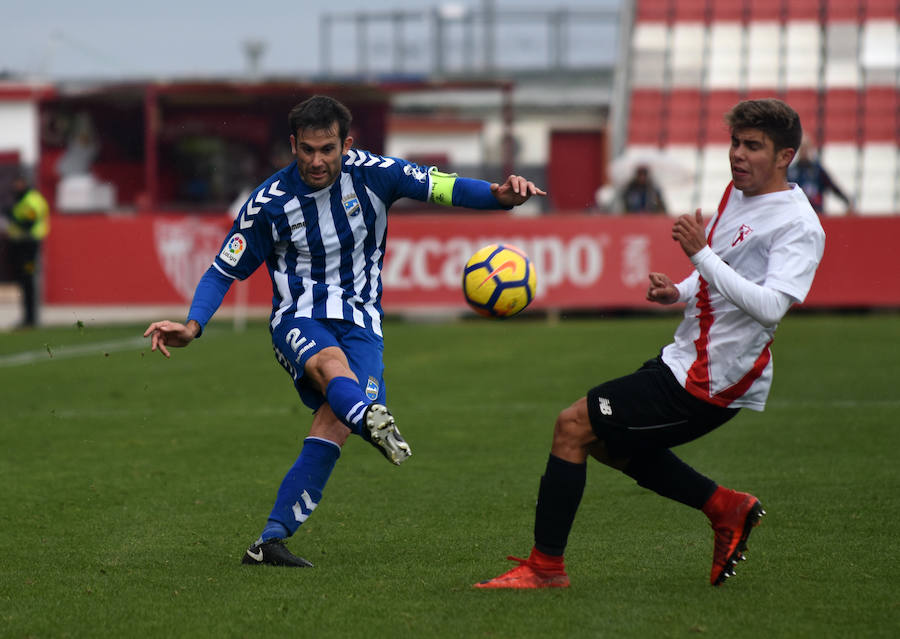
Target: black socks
[665, 474]
[558, 498]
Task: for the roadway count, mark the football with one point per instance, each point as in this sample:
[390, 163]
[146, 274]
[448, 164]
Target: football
[499, 281]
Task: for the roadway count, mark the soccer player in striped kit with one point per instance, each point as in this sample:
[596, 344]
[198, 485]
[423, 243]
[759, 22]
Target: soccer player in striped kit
[755, 259]
[319, 225]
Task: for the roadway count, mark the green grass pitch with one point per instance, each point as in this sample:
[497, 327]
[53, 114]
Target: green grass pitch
[132, 484]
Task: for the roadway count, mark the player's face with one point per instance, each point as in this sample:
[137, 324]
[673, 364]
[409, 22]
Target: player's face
[319, 153]
[756, 167]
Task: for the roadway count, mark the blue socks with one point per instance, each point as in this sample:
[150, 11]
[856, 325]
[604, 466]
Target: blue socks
[348, 401]
[302, 486]
[301, 489]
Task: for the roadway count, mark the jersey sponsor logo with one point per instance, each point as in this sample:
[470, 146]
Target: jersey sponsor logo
[351, 204]
[419, 175]
[298, 225]
[254, 204]
[233, 249]
[605, 406]
[372, 389]
[364, 158]
[741, 235]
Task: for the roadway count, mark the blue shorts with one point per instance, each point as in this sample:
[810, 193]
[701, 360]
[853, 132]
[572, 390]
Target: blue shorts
[295, 340]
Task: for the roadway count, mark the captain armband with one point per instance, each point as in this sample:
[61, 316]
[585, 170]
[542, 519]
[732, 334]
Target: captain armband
[441, 187]
[448, 189]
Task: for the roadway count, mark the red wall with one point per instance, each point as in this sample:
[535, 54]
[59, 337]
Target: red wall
[583, 261]
[576, 169]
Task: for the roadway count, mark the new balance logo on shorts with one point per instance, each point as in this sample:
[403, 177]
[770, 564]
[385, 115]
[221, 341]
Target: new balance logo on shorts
[605, 407]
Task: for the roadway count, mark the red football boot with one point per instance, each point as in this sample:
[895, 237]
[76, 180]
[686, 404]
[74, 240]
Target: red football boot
[531, 573]
[732, 516]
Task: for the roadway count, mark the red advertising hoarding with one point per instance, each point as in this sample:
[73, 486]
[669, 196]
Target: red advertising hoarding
[583, 261]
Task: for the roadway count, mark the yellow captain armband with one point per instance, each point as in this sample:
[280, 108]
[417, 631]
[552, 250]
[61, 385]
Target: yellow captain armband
[441, 187]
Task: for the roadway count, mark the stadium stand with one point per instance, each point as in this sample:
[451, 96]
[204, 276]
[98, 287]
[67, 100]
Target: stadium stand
[836, 61]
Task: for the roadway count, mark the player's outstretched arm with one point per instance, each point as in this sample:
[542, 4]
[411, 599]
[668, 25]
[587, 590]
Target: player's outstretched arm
[662, 289]
[166, 333]
[515, 191]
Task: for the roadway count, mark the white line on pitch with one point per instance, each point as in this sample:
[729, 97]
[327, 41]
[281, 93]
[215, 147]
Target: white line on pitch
[66, 352]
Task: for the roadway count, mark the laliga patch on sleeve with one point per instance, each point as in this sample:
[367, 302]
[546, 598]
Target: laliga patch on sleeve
[234, 248]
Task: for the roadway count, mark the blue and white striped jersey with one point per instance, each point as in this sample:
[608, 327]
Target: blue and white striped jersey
[324, 249]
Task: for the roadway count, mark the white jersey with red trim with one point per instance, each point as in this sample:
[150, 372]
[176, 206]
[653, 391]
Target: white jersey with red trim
[720, 353]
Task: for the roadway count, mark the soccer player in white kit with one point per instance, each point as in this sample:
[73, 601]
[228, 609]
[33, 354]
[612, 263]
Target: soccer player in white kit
[754, 259]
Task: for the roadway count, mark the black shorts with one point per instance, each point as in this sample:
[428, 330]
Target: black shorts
[649, 409]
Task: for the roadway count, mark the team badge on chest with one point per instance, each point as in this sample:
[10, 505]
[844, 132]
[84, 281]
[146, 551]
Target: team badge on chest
[351, 204]
[741, 235]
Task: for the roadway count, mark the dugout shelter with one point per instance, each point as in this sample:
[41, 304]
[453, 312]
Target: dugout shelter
[180, 146]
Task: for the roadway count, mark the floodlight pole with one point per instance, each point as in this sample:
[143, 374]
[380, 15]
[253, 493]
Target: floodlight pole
[509, 140]
[489, 12]
[325, 43]
[619, 103]
[151, 151]
[438, 44]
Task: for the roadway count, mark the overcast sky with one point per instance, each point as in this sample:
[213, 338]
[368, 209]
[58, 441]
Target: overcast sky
[107, 39]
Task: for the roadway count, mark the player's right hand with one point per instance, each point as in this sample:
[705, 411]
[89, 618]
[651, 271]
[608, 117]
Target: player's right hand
[166, 333]
[662, 289]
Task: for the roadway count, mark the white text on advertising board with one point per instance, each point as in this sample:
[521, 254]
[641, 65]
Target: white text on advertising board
[434, 262]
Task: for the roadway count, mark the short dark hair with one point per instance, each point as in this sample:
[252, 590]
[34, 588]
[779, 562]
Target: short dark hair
[320, 112]
[771, 116]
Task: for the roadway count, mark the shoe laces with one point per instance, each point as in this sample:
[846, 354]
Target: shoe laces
[524, 566]
[536, 568]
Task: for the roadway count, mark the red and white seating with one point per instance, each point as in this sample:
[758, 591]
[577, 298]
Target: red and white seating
[837, 62]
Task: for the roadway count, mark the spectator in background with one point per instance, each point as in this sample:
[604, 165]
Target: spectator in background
[809, 174]
[641, 195]
[28, 225]
[82, 149]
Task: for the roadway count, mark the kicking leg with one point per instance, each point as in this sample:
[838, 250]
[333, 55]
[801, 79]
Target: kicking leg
[732, 515]
[329, 370]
